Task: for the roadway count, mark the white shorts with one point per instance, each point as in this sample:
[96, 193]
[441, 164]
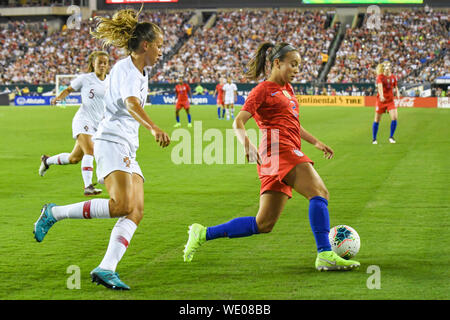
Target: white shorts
[80, 125]
[111, 156]
[228, 100]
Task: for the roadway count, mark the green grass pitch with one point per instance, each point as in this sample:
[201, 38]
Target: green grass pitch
[396, 196]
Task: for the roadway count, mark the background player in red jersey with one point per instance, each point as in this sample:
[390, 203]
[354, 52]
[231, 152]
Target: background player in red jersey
[386, 85]
[282, 166]
[183, 93]
[219, 92]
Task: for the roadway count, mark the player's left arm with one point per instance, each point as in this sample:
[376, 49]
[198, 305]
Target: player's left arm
[308, 137]
[397, 92]
[133, 105]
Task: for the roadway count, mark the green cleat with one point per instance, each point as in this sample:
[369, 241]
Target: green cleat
[197, 236]
[330, 261]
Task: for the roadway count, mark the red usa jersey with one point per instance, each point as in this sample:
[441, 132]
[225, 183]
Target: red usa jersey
[219, 89]
[182, 91]
[275, 107]
[389, 83]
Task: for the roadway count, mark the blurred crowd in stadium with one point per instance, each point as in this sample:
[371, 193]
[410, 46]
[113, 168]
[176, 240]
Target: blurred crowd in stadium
[415, 41]
[224, 49]
[409, 39]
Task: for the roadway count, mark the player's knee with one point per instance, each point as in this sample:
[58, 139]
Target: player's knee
[136, 215]
[265, 226]
[73, 159]
[121, 207]
[321, 191]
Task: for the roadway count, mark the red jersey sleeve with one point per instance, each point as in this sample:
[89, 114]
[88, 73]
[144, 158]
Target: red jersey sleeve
[255, 99]
[379, 79]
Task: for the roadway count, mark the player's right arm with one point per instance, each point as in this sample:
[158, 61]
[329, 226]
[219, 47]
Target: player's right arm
[251, 152]
[380, 88]
[133, 105]
[62, 95]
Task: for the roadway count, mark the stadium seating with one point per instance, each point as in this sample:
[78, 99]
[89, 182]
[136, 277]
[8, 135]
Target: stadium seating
[224, 49]
[412, 40]
[409, 39]
[28, 55]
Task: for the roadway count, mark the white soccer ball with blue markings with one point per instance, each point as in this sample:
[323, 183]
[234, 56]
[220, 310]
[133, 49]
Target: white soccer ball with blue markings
[344, 241]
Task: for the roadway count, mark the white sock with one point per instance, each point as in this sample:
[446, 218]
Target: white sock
[62, 158]
[227, 113]
[95, 208]
[121, 236]
[87, 167]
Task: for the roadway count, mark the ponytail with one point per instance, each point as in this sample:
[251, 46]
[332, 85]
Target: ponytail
[256, 67]
[124, 31]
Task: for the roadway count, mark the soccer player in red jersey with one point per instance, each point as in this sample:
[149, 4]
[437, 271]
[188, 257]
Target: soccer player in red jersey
[386, 85]
[219, 92]
[183, 92]
[282, 166]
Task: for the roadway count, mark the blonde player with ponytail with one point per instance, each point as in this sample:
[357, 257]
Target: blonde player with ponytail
[116, 141]
[386, 86]
[86, 120]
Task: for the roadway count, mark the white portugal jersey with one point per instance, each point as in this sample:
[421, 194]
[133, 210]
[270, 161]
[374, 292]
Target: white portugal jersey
[118, 125]
[229, 89]
[92, 94]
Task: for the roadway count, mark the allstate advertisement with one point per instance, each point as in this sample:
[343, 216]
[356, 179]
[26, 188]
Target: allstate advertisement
[43, 100]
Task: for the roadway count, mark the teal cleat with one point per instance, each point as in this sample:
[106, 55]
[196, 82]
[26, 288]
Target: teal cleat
[108, 278]
[44, 223]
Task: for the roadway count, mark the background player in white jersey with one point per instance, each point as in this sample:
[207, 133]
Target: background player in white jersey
[230, 91]
[116, 141]
[85, 121]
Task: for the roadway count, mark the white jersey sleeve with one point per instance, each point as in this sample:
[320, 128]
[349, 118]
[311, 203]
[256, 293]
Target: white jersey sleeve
[77, 83]
[131, 87]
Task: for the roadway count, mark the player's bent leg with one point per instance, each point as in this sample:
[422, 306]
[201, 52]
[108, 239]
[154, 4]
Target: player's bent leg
[77, 152]
[271, 206]
[124, 229]
[84, 141]
[305, 180]
[120, 188]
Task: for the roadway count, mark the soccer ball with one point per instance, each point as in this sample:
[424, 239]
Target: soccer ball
[344, 241]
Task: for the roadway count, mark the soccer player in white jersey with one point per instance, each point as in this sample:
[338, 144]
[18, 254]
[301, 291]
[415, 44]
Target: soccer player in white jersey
[86, 120]
[116, 141]
[230, 91]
